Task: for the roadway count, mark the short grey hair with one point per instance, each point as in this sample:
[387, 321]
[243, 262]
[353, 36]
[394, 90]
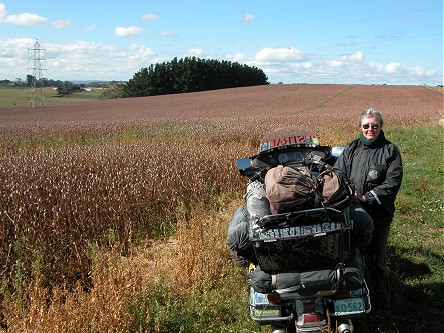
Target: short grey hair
[369, 113]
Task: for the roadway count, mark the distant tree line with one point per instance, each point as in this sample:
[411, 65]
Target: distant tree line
[44, 82]
[62, 87]
[190, 75]
[9, 83]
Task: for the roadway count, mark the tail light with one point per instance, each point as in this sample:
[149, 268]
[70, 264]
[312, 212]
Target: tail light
[310, 318]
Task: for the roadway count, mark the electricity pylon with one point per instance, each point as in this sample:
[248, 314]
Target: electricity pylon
[37, 56]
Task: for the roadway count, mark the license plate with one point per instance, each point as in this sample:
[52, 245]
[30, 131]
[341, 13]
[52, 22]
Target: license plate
[346, 306]
[266, 312]
[259, 299]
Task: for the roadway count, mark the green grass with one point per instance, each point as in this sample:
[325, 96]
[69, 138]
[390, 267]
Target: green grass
[417, 236]
[19, 96]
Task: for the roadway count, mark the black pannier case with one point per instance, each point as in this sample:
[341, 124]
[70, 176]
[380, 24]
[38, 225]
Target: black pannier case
[309, 239]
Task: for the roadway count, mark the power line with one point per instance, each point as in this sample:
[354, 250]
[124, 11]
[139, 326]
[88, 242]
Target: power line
[270, 34]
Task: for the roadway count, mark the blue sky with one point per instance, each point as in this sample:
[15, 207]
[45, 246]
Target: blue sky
[292, 41]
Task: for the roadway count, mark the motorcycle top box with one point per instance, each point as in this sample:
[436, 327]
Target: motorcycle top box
[301, 240]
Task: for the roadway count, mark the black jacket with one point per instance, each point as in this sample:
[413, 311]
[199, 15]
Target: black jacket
[376, 172]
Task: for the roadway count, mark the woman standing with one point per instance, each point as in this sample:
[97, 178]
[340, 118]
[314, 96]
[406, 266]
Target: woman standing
[374, 166]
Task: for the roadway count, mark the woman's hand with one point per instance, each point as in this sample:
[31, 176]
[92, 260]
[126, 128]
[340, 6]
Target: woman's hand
[360, 197]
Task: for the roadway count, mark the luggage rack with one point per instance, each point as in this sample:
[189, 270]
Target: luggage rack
[306, 239]
[322, 214]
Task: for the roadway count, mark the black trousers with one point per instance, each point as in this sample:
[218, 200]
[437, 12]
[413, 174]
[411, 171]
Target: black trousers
[362, 231]
[377, 265]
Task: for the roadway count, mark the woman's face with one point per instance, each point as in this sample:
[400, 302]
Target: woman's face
[370, 127]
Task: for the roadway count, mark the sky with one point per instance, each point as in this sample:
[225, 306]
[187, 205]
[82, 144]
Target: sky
[291, 41]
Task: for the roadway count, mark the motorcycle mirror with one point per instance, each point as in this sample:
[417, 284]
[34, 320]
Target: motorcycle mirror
[245, 168]
[337, 150]
[243, 163]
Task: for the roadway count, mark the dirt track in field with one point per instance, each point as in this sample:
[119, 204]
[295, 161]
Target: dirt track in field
[401, 104]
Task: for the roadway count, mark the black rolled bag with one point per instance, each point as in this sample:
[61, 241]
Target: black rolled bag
[316, 280]
[238, 242]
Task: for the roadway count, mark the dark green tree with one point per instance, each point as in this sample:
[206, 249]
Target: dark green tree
[139, 85]
[190, 75]
[29, 79]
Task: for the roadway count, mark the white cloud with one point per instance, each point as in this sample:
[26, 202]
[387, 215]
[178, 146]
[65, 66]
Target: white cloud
[354, 57]
[145, 52]
[127, 31]
[150, 17]
[302, 65]
[282, 64]
[237, 57]
[82, 60]
[248, 18]
[196, 53]
[346, 60]
[2, 12]
[279, 54]
[392, 67]
[167, 34]
[28, 19]
[59, 24]
[422, 71]
[335, 63]
[389, 68]
[90, 27]
[290, 65]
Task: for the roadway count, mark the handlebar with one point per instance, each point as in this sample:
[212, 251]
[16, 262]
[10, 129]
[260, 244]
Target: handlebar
[247, 168]
[315, 159]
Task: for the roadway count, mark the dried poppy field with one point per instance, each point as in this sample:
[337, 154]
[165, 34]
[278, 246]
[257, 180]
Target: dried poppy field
[113, 213]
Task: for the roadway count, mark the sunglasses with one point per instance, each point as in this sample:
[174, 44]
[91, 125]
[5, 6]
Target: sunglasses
[367, 126]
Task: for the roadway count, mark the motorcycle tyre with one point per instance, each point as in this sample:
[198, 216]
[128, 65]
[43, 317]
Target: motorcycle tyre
[279, 329]
[284, 327]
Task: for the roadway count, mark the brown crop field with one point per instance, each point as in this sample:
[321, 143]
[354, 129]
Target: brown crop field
[308, 104]
[107, 203]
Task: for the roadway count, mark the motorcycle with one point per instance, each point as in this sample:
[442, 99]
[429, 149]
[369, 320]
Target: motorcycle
[304, 274]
